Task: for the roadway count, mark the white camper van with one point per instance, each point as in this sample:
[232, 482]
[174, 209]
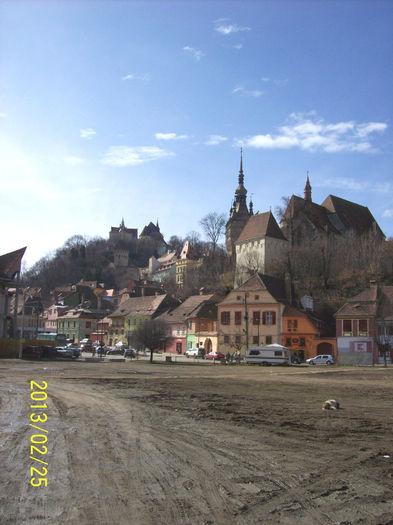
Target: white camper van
[268, 355]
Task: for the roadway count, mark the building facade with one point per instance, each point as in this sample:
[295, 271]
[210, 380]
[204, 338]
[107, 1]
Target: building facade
[251, 315]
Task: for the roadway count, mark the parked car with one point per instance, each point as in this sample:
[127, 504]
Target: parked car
[194, 352]
[216, 356]
[86, 345]
[63, 351]
[129, 352]
[115, 351]
[323, 359]
[32, 352]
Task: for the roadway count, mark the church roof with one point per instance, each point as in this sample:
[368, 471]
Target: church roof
[353, 216]
[315, 213]
[10, 263]
[260, 225]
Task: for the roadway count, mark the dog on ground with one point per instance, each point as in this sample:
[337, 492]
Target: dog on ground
[330, 404]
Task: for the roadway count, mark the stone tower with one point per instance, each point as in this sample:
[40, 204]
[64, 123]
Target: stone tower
[238, 214]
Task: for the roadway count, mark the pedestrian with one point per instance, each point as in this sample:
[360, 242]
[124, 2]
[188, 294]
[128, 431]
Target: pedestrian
[228, 358]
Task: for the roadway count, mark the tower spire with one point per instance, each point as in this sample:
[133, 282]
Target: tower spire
[241, 174]
[307, 190]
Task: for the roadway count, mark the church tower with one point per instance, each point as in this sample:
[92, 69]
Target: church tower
[307, 190]
[238, 214]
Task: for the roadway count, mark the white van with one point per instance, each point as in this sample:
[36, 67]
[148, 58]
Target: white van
[268, 355]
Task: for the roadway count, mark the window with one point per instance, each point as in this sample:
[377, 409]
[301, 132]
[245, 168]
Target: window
[269, 318]
[292, 325]
[256, 318]
[225, 317]
[256, 297]
[237, 339]
[226, 339]
[255, 340]
[288, 341]
[238, 318]
[238, 298]
[268, 339]
[254, 352]
[88, 324]
[302, 341]
[363, 328]
[347, 327]
[277, 352]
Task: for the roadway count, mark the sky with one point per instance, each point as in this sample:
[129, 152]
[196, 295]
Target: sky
[138, 110]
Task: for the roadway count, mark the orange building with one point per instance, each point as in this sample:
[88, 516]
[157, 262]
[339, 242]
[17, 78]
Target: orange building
[306, 335]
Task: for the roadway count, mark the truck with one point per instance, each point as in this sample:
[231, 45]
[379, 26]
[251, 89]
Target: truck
[273, 354]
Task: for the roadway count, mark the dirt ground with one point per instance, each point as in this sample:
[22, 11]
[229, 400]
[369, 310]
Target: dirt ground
[142, 444]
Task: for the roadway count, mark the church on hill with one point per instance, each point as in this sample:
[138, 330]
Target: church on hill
[305, 221]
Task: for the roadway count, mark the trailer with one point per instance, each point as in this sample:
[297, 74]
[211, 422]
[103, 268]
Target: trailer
[273, 354]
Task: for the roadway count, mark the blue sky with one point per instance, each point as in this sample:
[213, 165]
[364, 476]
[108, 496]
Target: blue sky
[139, 109]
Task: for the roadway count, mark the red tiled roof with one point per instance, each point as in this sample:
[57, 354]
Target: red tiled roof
[260, 225]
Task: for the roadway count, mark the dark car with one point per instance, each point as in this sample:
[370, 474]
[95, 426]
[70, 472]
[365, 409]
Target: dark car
[63, 351]
[129, 352]
[32, 352]
[115, 351]
[48, 352]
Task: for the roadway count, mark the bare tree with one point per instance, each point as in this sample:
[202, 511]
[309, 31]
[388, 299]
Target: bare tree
[213, 225]
[151, 334]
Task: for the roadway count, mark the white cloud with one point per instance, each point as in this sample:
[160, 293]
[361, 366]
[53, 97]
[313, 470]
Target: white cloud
[246, 92]
[120, 156]
[364, 130]
[214, 140]
[87, 133]
[238, 46]
[3, 115]
[311, 133]
[197, 55]
[73, 161]
[227, 29]
[170, 136]
[388, 213]
[144, 78]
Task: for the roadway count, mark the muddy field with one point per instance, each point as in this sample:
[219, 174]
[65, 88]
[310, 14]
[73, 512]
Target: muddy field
[135, 443]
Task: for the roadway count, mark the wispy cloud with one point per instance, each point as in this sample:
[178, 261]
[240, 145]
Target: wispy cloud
[121, 156]
[170, 136]
[238, 46]
[388, 213]
[224, 28]
[342, 183]
[241, 90]
[3, 115]
[311, 133]
[143, 78]
[349, 183]
[214, 140]
[195, 53]
[276, 82]
[87, 133]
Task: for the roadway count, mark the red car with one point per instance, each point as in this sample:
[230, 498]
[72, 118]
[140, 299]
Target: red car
[216, 356]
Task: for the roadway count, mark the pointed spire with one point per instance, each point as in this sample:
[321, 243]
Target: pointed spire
[307, 190]
[251, 206]
[122, 225]
[241, 175]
